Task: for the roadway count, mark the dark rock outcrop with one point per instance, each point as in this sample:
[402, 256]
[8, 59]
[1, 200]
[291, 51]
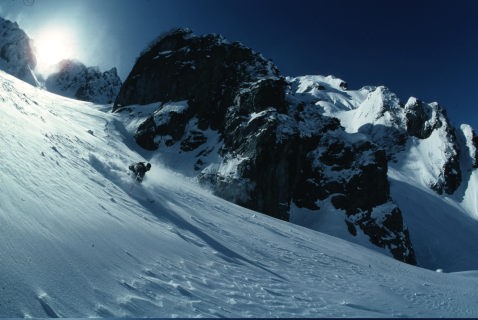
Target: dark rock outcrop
[474, 143]
[74, 80]
[385, 121]
[421, 121]
[205, 70]
[275, 152]
[16, 52]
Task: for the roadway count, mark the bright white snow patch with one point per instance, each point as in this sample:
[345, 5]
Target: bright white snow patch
[432, 150]
[162, 115]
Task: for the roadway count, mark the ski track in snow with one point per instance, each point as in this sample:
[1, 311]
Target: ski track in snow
[79, 238]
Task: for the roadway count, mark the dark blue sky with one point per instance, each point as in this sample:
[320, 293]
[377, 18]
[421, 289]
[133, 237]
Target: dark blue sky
[427, 49]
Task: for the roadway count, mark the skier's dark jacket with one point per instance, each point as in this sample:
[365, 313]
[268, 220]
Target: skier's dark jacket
[139, 169]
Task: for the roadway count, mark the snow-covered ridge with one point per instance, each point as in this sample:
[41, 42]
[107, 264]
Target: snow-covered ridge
[412, 130]
[432, 165]
[74, 80]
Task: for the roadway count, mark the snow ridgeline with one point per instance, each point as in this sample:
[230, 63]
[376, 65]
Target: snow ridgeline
[432, 165]
[72, 79]
[79, 239]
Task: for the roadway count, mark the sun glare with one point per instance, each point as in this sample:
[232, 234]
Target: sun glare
[53, 45]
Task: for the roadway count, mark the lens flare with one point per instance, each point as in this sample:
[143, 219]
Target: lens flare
[53, 45]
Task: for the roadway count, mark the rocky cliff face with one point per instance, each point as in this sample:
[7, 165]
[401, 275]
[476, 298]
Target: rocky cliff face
[378, 114]
[16, 52]
[255, 139]
[74, 80]
[178, 59]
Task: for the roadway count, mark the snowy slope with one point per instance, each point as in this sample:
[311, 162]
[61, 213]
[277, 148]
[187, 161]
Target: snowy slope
[79, 239]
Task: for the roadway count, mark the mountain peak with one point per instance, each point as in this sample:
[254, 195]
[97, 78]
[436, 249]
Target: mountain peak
[16, 52]
[256, 142]
[305, 149]
[192, 67]
[73, 79]
[169, 40]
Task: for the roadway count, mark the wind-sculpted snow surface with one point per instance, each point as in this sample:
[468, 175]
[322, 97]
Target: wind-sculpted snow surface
[79, 238]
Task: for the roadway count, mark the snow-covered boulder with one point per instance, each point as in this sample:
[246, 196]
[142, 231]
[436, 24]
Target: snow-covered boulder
[16, 52]
[74, 80]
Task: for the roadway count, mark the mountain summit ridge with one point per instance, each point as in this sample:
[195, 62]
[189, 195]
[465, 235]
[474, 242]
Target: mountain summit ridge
[293, 148]
[74, 80]
[275, 154]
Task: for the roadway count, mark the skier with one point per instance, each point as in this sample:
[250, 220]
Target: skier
[139, 169]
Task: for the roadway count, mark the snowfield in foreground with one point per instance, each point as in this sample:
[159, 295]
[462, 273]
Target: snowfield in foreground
[78, 238]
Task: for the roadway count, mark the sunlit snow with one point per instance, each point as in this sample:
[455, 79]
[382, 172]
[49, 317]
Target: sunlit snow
[79, 238]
